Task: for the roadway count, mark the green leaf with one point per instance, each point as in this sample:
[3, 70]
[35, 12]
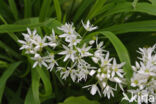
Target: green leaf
[119, 47]
[29, 97]
[46, 82]
[3, 79]
[44, 9]
[142, 26]
[9, 50]
[79, 100]
[27, 8]
[5, 11]
[3, 64]
[2, 56]
[153, 2]
[95, 9]
[18, 28]
[13, 8]
[58, 10]
[35, 85]
[127, 7]
[82, 8]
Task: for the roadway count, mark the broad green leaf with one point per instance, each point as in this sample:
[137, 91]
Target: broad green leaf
[18, 28]
[142, 26]
[58, 10]
[29, 99]
[12, 35]
[13, 8]
[3, 79]
[35, 85]
[27, 8]
[119, 47]
[79, 100]
[127, 7]
[44, 9]
[46, 82]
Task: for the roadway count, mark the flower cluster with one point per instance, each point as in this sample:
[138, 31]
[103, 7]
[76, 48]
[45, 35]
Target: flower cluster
[34, 44]
[143, 81]
[75, 56]
[108, 71]
[71, 57]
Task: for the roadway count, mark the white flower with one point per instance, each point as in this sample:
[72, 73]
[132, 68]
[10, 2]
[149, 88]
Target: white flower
[88, 26]
[69, 52]
[27, 43]
[68, 29]
[116, 69]
[73, 73]
[94, 89]
[52, 62]
[52, 39]
[64, 73]
[31, 34]
[138, 80]
[40, 43]
[83, 69]
[147, 54]
[69, 71]
[39, 61]
[106, 60]
[84, 51]
[108, 91]
[73, 41]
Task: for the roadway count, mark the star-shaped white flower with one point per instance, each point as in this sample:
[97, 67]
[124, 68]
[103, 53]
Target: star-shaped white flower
[88, 26]
[84, 51]
[69, 52]
[39, 61]
[52, 62]
[52, 39]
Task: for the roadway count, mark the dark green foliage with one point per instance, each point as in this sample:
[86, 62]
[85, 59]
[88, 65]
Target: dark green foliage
[124, 25]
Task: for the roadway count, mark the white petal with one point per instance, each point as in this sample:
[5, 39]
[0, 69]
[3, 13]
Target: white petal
[117, 79]
[93, 89]
[92, 72]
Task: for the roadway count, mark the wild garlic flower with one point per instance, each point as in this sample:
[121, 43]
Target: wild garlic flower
[39, 43]
[68, 29]
[39, 61]
[84, 51]
[52, 39]
[88, 26]
[51, 61]
[69, 52]
[144, 76]
[27, 43]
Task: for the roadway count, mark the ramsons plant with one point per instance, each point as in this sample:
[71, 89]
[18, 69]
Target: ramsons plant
[106, 70]
[77, 51]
